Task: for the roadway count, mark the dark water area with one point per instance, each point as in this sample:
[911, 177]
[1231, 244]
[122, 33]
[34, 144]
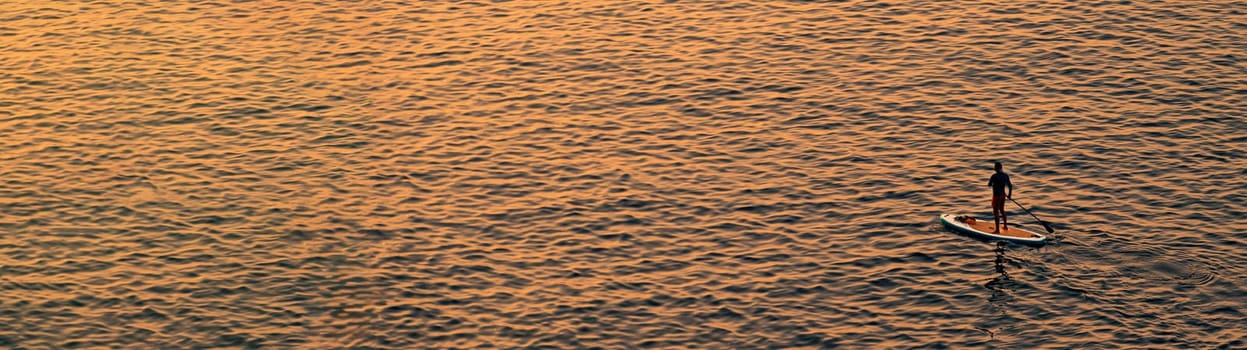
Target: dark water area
[619, 174]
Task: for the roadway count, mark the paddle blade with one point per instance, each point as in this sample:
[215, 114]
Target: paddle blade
[1046, 227]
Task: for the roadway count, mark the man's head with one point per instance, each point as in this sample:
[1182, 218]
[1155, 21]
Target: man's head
[999, 166]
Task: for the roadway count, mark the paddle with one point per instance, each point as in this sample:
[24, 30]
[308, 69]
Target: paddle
[1045, 225]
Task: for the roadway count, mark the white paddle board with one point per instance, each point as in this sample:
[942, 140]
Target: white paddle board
[983, 228]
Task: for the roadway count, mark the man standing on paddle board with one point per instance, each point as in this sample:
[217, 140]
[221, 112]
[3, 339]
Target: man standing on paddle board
[998, 182]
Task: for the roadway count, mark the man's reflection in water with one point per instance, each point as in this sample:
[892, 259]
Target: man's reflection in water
[1000, 259]
[998, 284]
[999, 299]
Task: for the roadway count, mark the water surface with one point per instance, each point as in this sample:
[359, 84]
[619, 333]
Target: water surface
[619, 174]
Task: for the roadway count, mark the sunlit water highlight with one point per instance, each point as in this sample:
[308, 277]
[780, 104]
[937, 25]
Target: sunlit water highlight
[619, 174]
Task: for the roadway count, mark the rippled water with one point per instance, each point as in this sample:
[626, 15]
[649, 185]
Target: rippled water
[617, 174]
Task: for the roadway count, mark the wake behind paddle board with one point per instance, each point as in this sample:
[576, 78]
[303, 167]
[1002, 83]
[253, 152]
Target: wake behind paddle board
[983, 228]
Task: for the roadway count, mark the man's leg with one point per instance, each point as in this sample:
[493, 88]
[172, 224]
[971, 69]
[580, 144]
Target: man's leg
[996, 215]
[1004, 216]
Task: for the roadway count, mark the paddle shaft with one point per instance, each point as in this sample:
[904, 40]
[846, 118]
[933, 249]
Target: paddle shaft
[1045, 225]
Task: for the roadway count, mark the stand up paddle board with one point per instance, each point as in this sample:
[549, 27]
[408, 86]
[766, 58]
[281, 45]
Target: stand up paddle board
[983, 228]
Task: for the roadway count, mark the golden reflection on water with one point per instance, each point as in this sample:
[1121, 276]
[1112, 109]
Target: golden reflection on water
[614, 174]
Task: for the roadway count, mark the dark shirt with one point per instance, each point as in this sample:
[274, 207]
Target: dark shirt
[998, 182]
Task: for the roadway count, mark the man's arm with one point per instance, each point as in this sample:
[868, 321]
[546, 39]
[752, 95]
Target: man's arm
[1010, 189]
